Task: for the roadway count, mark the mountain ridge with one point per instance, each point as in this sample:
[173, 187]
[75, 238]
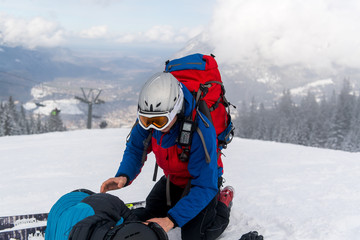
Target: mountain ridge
[264, 80]
[56, 75]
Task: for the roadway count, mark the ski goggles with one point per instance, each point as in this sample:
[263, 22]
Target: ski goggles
[160, 120]
[157, 120]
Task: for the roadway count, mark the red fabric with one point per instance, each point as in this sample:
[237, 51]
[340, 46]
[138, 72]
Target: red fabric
[168, 160]
[192, 80]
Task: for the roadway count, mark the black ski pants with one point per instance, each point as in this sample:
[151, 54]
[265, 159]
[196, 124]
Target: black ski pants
[209, 224]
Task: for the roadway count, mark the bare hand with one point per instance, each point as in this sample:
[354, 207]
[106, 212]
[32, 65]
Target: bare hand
[113, 184]
[165, 223]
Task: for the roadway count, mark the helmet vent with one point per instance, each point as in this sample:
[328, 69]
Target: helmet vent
[175, 99]
[157, 105]
[146, 103]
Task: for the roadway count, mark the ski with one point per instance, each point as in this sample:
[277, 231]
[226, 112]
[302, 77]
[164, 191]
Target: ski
[32, 233]
[32, 226]
[134, 205]
[17, 220]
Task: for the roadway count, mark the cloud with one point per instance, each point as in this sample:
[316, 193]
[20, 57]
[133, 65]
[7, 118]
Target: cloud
[95, 32]
[319, 33]
[30, 33]
[161, 34]
[39, 32]
[103, 3]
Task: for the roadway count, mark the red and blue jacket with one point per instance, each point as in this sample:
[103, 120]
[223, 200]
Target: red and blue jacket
[204, 176]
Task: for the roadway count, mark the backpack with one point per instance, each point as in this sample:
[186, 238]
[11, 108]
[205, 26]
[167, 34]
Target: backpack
[200, 75]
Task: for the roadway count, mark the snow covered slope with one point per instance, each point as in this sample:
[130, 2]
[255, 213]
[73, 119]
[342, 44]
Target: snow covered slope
[283, 191]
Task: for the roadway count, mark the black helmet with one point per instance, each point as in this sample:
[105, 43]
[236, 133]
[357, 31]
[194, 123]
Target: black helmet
[139, 231]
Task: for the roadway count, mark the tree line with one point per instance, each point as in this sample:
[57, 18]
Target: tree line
[332, 122]
[16, 121]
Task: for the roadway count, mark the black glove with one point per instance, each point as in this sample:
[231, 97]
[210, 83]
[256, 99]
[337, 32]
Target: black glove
[251, 236]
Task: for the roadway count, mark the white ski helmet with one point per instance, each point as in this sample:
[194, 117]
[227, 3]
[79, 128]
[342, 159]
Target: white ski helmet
[161, 93]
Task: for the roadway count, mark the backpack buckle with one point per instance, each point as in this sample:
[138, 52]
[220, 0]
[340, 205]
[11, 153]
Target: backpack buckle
[184, 155]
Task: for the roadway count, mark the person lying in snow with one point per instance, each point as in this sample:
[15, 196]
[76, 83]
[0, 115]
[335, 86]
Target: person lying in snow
[84, 215]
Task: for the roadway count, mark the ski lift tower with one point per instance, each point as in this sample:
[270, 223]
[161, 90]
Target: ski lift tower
[91, 98]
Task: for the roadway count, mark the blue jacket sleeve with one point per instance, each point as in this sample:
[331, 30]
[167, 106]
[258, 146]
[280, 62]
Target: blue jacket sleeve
[204, 185]
[136, 149]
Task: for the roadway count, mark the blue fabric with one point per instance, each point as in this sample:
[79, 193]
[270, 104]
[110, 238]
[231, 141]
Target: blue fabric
[205, 176]
[194, 62]
[61, 215]
[132, 158]
[70, 217]
[121, 221]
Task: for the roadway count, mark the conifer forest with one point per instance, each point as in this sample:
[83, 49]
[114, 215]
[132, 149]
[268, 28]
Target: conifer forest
[15, 121]
[332, 122]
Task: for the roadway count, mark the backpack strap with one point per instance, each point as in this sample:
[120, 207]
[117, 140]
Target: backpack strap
[185, 146]
[204, 109]
[146, 142]
[128, 136]
[184, 193]
[207, 155]
[168, 198]
[155, 171]
[203, 90]
[146, 146]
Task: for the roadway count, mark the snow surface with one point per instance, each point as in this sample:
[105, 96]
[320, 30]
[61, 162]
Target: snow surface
[283, 191]
[313, 85]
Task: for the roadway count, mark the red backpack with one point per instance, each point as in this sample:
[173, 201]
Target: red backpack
[201, 76]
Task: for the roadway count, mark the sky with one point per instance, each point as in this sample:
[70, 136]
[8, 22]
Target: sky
[102, 24]
[320, 34]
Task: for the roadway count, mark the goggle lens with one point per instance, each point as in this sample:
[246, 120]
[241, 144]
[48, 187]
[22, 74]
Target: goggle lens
[159, 121]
